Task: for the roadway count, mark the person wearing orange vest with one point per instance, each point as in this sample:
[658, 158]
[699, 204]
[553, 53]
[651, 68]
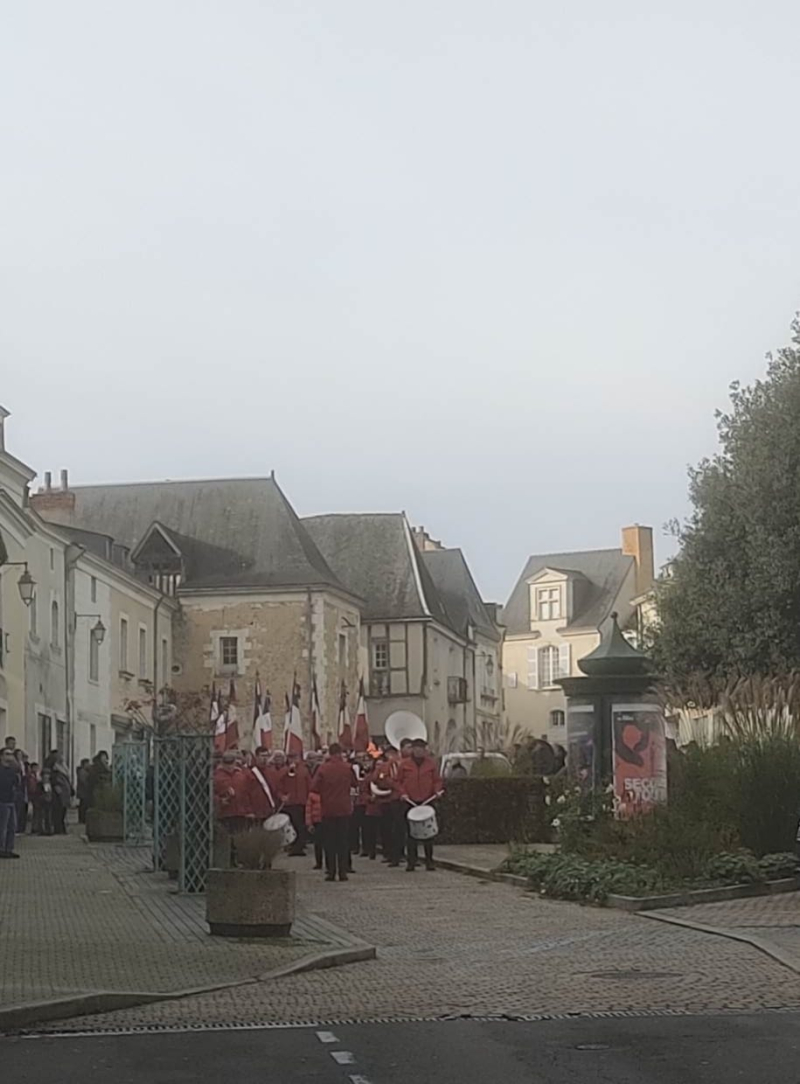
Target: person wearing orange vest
[419, 783]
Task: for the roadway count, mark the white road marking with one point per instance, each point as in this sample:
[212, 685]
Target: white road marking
[343, 1057]
[358, 1080]
[327, 1037]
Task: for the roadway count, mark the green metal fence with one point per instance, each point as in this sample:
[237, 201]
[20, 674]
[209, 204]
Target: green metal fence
[183, 805]
[129, 771]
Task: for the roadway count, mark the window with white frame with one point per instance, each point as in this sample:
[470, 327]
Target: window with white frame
[229, 650]
[94, 657]
[123, 644]
[380, 654]
[557, 719]
[54, 628]
[142, 653]
[94, 588]
[164, 676]
[547, 664]
[548, 603]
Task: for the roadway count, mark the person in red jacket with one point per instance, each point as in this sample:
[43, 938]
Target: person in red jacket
[332, 783]
[420, 783]
[314, 809]
[262, 793]
[295, 783]
[230, 794]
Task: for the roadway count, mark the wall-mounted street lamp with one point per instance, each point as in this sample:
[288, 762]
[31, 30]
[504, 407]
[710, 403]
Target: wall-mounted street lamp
[98, 633]
[26, 583]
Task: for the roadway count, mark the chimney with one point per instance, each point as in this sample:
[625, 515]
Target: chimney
[424, 541]
[3, 416]
[54, 505]
[637, 542]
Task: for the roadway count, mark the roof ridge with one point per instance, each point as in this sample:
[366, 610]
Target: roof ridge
[576, 553]
[175, 482]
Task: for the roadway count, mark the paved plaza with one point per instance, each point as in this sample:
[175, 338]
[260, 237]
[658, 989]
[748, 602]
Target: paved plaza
[451, 945]
[78, 919]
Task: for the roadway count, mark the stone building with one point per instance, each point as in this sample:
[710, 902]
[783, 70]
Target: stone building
[553, 619]
[256, 595]
[59, 687]
[429, 641]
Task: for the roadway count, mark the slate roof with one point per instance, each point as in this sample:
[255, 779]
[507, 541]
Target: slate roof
[603, 573]
[458, 591]
[375, 556]
[238, 532]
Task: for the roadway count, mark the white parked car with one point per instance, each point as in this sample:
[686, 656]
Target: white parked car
[500, 763]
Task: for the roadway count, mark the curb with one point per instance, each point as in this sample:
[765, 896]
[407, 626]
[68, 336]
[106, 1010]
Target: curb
[773, 951]
[703, 895]
[100, 1001]
[481, 872]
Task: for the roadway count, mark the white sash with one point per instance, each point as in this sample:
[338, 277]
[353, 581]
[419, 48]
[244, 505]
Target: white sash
[264, 786]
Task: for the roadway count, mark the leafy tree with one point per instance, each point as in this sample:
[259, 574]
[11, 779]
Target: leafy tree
[732, 603]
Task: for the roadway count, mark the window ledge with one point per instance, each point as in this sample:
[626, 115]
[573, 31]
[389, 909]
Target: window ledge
[127, 674]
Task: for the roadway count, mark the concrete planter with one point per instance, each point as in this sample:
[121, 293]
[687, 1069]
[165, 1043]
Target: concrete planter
[250, 902]
[172, 855]
[104, 826]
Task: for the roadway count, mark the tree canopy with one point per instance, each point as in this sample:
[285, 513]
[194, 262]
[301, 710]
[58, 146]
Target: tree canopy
[731, 605]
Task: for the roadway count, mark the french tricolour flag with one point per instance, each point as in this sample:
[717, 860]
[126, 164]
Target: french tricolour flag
[293, 727]
[262, 718]
[362, 722]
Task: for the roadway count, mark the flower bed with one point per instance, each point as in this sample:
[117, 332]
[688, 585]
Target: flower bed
[593, 880]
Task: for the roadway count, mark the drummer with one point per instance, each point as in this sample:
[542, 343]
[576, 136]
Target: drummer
[419, 783]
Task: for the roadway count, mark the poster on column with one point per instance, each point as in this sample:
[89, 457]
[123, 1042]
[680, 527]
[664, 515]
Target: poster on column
[640, 758]
[582, 745]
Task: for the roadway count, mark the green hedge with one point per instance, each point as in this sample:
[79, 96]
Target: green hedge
[503, 809]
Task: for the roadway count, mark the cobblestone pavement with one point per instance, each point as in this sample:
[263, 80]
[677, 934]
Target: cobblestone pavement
[450, 944]
[69, 925]
[773, 920]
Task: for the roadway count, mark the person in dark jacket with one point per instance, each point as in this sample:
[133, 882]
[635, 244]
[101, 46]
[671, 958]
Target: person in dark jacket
[97, 777]
[82, 788]
[9, 797]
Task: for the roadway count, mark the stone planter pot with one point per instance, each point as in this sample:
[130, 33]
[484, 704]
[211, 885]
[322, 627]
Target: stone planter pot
[250, 902]
[104, 826]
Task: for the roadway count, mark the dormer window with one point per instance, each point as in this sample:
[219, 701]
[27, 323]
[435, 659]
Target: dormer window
[548, 603]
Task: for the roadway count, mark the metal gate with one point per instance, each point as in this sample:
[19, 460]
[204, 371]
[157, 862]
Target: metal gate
[183, 807]
[129, 770]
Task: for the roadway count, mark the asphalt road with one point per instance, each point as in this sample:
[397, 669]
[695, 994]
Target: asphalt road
[654, 1050]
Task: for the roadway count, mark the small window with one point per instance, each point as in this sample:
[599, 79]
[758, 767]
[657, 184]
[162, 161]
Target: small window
[54, 637]
[52, 559]
[34, 612]
[94, 658]
[548, 603]
[229, 650]
[164, 676]
[94, 589]
[142, 653]
[342, 652]
[380, 654]
[557, 719]
[123, 644]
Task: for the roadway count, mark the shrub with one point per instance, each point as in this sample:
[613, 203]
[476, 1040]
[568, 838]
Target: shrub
[493, 810]
[773, 867]
[570, 877]
[740, 868]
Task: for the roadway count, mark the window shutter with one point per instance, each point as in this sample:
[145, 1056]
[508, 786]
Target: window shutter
[533, 668]
[564, 660]
[511, 679]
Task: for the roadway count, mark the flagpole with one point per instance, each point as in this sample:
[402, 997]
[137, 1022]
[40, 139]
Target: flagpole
[309, 624]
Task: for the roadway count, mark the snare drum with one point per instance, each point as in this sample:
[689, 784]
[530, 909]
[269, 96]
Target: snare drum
[422, 823]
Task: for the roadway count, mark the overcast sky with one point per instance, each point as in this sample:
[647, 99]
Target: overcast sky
[493, 263]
